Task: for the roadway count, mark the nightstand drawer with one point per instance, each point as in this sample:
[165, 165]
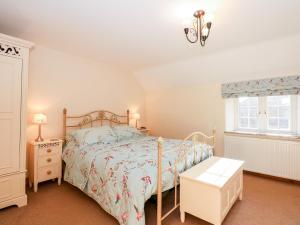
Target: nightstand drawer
[48, 172]
[47, 160]
[49, 150]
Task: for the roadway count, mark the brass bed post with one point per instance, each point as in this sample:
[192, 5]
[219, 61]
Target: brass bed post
[159, 181]
[127, 116]
[214, 139]
[64, 124]
[196, 138]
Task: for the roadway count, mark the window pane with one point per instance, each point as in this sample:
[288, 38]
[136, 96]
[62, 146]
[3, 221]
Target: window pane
[273, 123]
[243, 122]
[284, 112]
[272, 100]
[253, 123]
[273, 111]
[253, 112]
[253, 100]
[248, 112]
[243, 111]
[283, 124]
[284, 100]
[243, 101]
[279, 112]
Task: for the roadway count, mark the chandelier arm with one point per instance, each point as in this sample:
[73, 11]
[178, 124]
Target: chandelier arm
[190, 40]
[196, 32]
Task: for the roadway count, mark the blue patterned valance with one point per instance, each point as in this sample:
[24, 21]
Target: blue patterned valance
[265, 87]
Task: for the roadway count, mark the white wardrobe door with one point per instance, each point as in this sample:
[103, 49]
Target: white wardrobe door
[10, 109]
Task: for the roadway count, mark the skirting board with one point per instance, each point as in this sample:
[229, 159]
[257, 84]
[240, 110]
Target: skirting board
[272, 177]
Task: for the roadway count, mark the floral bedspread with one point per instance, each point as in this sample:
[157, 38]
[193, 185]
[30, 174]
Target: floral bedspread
[121, 177]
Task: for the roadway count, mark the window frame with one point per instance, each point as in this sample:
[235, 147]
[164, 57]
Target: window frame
[263, 117]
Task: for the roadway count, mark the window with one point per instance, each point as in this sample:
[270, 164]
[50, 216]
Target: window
[272, 114]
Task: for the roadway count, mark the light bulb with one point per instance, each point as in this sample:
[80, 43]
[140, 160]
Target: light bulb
[205, 31]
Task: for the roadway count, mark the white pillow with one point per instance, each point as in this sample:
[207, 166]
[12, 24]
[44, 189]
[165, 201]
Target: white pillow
[88, 136]
[124, 132]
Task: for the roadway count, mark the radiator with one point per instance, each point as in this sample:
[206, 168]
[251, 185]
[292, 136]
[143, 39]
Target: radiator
[267, 156]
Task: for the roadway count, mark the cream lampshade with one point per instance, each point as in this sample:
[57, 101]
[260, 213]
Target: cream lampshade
[136, 116]
[39, 119]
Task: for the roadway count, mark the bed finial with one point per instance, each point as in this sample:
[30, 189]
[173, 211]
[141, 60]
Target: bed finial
[64, 124]
[128, 117]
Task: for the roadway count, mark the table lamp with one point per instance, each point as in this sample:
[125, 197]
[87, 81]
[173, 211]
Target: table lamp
[39, 119]
[136, 116]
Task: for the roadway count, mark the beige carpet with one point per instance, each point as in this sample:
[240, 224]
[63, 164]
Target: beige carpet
[266, 202]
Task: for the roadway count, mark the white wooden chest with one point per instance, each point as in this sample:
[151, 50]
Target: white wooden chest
[209, 189]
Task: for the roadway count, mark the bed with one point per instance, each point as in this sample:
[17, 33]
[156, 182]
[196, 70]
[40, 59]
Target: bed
[120, 168]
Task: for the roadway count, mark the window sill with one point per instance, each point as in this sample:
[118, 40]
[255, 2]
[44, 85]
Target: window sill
[284, 137]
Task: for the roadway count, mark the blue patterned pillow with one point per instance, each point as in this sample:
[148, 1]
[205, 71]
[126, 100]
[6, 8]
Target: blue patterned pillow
[124, 132]
[88, 136]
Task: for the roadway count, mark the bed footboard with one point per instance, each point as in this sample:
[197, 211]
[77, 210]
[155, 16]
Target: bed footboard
[196, 138]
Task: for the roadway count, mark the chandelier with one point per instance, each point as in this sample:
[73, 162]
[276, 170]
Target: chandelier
[199, 29]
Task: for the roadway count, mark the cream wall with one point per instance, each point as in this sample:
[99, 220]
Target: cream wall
[177, 112]
[58, 80]
[185, 96]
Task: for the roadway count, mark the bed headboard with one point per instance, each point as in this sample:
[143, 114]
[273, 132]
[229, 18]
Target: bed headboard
[92, 119]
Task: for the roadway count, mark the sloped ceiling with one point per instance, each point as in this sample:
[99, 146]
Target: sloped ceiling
[139, 34]
[266, 59]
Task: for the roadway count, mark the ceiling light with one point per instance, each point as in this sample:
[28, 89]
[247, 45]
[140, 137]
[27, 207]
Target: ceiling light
[199, 29]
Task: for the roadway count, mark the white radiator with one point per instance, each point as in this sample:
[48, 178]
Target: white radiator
[272, 157]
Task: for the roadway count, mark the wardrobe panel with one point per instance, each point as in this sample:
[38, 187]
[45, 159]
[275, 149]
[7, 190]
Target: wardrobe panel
[10, 110]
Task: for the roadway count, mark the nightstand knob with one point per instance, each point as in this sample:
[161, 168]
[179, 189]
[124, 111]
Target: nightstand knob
[49, 172]
[49, 150]
[49, 160]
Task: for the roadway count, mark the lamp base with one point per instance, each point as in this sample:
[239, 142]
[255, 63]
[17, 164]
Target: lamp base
[39, 138]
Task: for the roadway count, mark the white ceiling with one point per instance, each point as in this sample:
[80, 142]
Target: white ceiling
[137, 34]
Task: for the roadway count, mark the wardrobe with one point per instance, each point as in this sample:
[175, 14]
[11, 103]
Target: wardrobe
[14, 54]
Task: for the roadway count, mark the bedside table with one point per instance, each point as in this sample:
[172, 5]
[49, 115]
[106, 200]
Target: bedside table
[144, 131]
[45, 161]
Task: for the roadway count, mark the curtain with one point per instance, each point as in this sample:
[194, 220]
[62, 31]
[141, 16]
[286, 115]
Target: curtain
[266, 87]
